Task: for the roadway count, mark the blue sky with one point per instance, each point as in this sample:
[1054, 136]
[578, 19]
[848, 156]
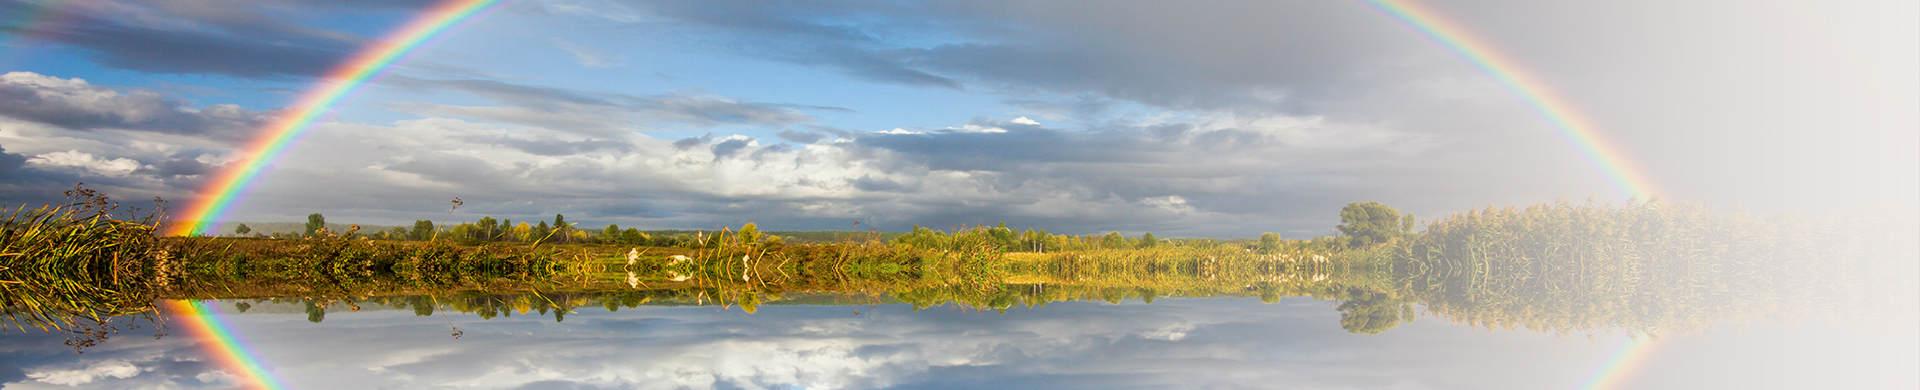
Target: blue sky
[1216, 118]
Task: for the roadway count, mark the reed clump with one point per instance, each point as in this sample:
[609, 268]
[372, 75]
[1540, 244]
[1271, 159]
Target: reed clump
[73, 267]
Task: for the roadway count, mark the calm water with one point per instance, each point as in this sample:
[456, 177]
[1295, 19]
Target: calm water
[1171, 343]
[1754, 311]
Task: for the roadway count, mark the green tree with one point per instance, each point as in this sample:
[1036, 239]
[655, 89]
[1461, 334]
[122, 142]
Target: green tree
[540, 232]
[315, 222]
[242, 230]
[560, 227]
[1147, 241]
[422, 229]
[1005, 237]
[1369, 223]
[1113, 241]
[1269, 243]
[611, 234]
[488, 228]
[633, 237]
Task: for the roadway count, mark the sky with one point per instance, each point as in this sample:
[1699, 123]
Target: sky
[1172, 343]
[1183, 119]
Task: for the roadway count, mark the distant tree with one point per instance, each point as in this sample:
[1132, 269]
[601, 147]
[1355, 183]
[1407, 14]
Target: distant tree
[540, 232]
[560, 226]
[633, 237]
[489, 228]
[1113, 241]
[397, 233]
[242, 230]
[1005, 237]
[506, 230]
[315, 222]
[611, 234]
[422, 229]
[1269, 243]
[1147, 241]
[1369, 223]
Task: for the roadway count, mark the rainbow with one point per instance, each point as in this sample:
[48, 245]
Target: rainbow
[232, 184]
[1631, 354]
[222, 344]
[1630, 181]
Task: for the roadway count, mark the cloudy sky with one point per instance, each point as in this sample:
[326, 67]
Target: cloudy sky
[1188, 118]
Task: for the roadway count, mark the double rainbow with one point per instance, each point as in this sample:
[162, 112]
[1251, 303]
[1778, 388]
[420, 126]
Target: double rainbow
[232, 184]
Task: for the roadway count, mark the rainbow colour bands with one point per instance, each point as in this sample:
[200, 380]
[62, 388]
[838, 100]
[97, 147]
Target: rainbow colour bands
[222, 344]
[232, 184]
[1577, 129]
[1631, 354]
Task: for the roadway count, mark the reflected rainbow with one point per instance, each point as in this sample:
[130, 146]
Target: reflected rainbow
[230, 185]
[1599, 151]
[1631, 354]
[225, 347]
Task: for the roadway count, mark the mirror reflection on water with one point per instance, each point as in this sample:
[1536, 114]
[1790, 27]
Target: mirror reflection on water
[1646, 295]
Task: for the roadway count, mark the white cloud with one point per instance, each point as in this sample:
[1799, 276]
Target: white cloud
[1173, 203]
[88, 162]
[1169, 333]
[111, 368]
[217, 377]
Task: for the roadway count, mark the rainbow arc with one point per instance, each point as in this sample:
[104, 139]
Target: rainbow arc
[230, 186]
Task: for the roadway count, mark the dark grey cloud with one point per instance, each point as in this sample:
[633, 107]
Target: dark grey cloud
[869, 183]
[77, 105]
[690, 142]
[247, 39]
[729, 147]
[9, 161]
